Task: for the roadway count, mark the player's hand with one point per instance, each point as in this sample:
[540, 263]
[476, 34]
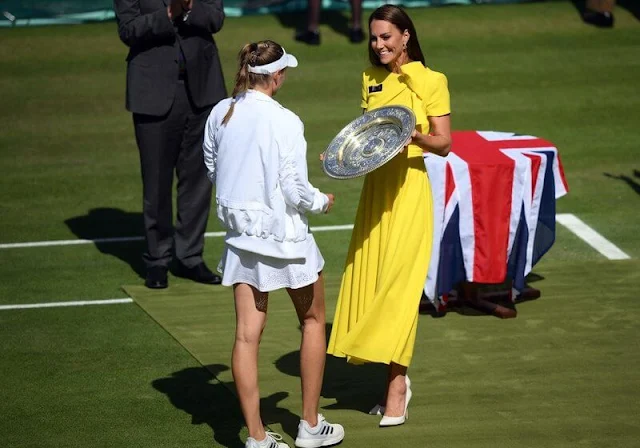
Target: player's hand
[321, 156]
[331, 201]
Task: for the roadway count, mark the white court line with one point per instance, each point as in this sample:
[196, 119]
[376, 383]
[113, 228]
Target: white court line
[61, 304]
[126, 239]
[110, 240]
[70, 242]
[591, 237]
[570, 221]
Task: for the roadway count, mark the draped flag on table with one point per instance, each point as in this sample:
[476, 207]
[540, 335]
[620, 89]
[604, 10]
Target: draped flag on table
[494, 208]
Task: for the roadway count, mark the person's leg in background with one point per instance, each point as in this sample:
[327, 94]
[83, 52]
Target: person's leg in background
[356, 35]
[193, 200]
[311, 34]
[158, 140]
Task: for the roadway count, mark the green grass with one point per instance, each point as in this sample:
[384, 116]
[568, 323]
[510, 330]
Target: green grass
[562, 374]
[543, 379]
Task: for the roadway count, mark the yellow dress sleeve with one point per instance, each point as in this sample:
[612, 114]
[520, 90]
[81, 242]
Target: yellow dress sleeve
[438, 103]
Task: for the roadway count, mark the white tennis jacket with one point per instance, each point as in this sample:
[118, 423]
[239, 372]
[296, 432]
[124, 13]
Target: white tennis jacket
[257, 162]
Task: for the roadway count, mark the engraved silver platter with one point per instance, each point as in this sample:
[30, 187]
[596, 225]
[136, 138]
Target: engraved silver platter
[368, 142]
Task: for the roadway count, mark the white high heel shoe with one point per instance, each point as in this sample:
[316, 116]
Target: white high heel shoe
[395, 421]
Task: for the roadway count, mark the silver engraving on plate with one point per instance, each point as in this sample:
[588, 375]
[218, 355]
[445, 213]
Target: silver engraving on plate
[369, 142]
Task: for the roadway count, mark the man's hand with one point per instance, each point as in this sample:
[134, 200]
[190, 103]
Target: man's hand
[331, 201]
[174, 10]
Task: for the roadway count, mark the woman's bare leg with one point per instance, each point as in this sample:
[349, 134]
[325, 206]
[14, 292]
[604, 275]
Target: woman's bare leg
[396, 391]
[251, 317]
[309, 304]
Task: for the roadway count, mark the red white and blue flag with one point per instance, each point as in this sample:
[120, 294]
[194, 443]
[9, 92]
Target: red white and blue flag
[494, 208]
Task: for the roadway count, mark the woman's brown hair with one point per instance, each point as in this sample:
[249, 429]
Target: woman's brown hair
[256, 53]
[401, 20]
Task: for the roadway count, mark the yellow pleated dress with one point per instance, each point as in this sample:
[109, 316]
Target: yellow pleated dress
[377, 310]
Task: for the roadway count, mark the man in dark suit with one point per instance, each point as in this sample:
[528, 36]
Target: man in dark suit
[174, 78]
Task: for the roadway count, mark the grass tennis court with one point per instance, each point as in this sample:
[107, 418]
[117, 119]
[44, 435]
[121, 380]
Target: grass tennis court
[156, 373]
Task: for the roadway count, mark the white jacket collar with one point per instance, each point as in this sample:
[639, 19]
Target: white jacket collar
[257, 95]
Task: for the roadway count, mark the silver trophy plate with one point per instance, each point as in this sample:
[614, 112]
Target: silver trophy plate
[368, 142]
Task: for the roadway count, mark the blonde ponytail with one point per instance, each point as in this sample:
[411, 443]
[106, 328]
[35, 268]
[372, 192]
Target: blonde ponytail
[257, 53]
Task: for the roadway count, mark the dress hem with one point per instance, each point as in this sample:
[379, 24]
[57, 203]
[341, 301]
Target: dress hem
[271, 288]
[360, 360]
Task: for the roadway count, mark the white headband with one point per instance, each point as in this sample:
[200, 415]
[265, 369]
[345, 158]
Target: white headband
[287, 60]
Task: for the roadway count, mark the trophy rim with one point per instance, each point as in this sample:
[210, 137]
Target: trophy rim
[356, 124]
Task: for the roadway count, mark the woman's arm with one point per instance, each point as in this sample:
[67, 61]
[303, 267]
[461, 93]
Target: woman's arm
[294, 181]
[438, 141]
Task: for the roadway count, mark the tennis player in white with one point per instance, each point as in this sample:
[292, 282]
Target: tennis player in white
[255, 152]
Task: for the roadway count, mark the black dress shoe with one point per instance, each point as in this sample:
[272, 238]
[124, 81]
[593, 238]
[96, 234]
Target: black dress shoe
[308, 37]
[356, 35]
[199, 273]
[156, 277]
[599, 19]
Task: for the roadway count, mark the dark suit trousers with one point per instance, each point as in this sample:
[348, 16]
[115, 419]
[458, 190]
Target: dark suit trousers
[168, 143]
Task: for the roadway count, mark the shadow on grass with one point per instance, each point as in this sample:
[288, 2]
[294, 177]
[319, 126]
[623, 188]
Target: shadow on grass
[633, 183]
[102, 223]
[360, 387]
[356, 387]
[198, 392]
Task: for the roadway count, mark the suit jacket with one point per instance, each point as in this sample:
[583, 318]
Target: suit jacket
[154, 42]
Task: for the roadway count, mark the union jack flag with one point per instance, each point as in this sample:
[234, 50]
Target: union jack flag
[494, 208]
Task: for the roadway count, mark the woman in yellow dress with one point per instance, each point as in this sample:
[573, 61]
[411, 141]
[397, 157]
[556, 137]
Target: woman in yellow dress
[377, 311]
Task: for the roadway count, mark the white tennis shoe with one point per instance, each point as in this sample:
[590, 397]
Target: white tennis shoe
[323, 434]
[273, 440]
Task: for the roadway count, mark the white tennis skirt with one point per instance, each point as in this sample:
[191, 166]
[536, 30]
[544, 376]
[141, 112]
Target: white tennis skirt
[268, 273]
